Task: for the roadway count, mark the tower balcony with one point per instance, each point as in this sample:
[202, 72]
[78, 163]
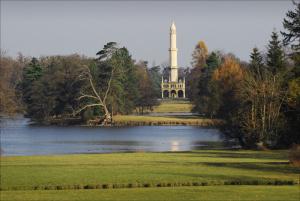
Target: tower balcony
[173, 85]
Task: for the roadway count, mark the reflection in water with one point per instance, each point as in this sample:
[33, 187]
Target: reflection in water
[174, 146]
[23, 139]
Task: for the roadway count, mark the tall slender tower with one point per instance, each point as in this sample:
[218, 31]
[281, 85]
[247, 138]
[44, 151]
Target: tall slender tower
[174, 87]
[173, 54]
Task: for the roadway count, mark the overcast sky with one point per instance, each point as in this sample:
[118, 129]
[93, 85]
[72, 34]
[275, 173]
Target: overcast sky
[65, 27]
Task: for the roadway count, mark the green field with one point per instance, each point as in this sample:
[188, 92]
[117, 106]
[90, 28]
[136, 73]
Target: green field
[173, 106]
[167, 106]
[141, 174]
[163, 119]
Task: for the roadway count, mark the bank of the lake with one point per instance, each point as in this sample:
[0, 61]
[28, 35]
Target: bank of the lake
[162, 120]
[175, 112]
[152, 119]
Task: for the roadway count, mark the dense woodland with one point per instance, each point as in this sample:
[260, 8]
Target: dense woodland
[258, 101]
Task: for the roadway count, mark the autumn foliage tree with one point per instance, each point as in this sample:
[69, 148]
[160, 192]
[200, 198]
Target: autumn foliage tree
[251, 102]
[199, 57]
[10, 75]
[226, 81]
[147, 95]
[51, 90]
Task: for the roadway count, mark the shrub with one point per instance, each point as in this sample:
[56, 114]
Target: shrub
[170, 185]
[90, 186]
[78, 186]
[257, 182]
[39, 188]
[117, 186]
[148, 185]
[130, 185]
[60, 188]
[204, 183]
[105, 186]
[295, 155]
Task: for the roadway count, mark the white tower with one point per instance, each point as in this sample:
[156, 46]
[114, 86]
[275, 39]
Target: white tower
[173, 54]
[173, 88]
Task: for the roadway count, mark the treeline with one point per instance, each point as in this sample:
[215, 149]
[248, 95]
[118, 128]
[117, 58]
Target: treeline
[77, 86]
[258, 102]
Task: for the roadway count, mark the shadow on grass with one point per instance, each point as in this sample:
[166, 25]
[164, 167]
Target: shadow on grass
[269, 168]
[236, 179]
[272, 155]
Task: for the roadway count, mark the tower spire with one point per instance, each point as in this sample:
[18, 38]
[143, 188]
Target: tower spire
[173, 28]
[173, 53]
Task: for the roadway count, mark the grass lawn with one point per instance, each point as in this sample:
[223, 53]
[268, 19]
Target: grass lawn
[123, 170]
[266, 193]
[167, 106]
[173, 106]
[164, 119]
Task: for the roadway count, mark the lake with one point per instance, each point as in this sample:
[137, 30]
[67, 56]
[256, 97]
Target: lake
[22, 139]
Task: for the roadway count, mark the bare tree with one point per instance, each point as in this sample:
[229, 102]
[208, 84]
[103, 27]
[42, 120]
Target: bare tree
[99, 94]
[96, 94]
[262, 99]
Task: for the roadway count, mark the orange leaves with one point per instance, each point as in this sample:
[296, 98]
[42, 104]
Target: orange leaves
[294, 93]
[229, 75]
[216, 75]
[141, 70]
[199, 55]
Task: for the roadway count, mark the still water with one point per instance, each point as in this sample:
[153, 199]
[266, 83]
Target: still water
[22, 139]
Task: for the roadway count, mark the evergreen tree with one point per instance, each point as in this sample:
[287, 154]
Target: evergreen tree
[292, 26]
[205, 100]
[212, 63]
[129, 82]
[256, 63]
[292, 114]
[154, 73]
[275, 55]
[42, 100]
[32, 72]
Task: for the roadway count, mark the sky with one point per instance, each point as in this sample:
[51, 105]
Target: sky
[46, 28]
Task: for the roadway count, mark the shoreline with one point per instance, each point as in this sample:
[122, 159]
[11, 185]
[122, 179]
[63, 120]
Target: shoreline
[141, 120]
[158, 120]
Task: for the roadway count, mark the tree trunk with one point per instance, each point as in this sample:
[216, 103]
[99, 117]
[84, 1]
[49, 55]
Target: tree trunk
[242, 143]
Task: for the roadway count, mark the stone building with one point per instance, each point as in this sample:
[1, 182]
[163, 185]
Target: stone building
[173, 87]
